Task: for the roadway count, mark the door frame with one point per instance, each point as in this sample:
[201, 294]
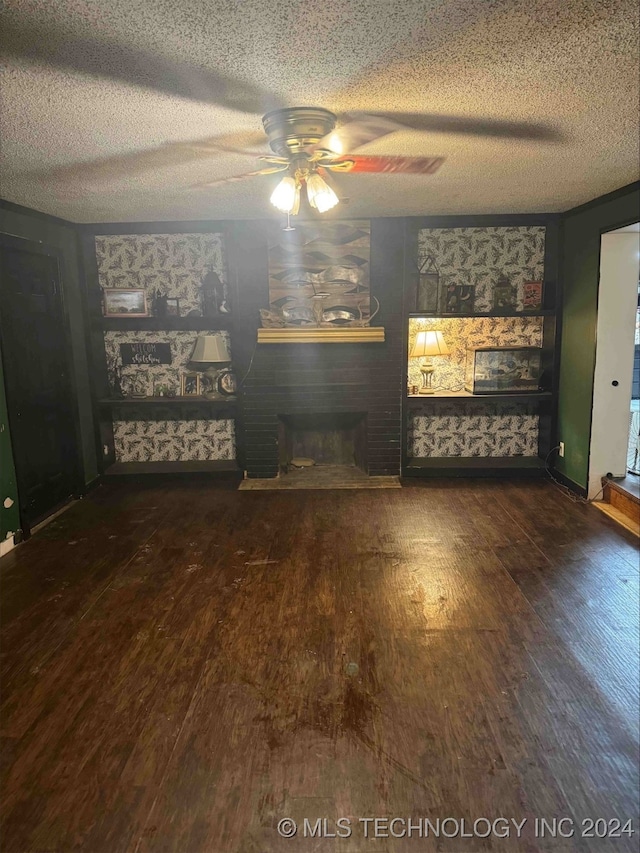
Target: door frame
[593, 486]
[24, 244]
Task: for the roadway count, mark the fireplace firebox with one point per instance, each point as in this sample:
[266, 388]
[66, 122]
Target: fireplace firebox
[336, 438]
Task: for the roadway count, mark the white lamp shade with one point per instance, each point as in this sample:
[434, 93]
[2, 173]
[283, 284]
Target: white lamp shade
[320, 194]
[211, 349]
[428, 342]
[285, 195]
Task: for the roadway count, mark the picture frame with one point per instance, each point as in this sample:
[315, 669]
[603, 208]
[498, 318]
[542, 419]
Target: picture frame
[173, 306]
[504, 297]
[227, 384]
[190, 384]
[125, 302]
[457, 299]
[503, 370]
[532, 296]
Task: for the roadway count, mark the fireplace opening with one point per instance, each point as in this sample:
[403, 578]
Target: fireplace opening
[336, 439]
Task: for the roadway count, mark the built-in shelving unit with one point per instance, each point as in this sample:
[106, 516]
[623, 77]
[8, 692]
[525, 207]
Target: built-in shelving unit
[424, 316]
[217, 466]
[474, 466]
[169, 432]
[458, 407]
[528, 396]
[223, 403]
[221, 322]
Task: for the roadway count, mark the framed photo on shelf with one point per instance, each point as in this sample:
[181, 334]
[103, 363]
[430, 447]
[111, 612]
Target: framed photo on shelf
[457, 299]
[190, 384]
[503, 370]
[531, 296]
[173, 306]
[504, 297]
[121, 302]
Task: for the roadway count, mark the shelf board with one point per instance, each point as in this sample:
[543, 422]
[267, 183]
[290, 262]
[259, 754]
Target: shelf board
[137, 402]
[157, 324]
[544, 312]
[217, 466]
[473, 466]
[517, 397]
[321, 335]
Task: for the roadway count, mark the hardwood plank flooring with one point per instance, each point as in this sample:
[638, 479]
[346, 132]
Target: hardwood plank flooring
[185, 665]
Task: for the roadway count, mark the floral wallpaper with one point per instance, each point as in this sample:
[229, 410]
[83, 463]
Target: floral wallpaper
[480, 256]
[472, 429]
[464, 333]
[174, 264]
[172, 438]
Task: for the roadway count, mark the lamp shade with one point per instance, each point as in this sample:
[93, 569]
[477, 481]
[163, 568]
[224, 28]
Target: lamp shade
[211, 349]
[320, 194]
[284, 195]
[428, 342]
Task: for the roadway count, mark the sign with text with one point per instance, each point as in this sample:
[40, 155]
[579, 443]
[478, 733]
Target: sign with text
[145, 353]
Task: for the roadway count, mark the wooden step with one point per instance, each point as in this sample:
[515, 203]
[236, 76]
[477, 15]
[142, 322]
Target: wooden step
[621, 501]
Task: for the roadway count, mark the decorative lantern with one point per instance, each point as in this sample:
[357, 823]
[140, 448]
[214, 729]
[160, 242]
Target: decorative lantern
[428, 285]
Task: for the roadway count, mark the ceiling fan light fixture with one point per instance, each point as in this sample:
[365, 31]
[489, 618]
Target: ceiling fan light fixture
[320, 194]
[286, 196]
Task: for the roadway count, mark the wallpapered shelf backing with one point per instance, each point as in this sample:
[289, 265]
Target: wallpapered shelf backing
[481, 257]
[478, 257]
[176, 265]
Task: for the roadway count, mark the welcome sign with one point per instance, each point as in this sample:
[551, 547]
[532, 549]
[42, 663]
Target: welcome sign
[145, 353]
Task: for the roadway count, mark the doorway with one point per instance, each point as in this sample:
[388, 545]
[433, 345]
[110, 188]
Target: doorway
[37, 378]
[616, 328]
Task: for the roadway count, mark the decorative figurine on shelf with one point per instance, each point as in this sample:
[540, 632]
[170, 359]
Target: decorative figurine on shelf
[114, 377]
[159, 303]
[504, 296]
[211, 294]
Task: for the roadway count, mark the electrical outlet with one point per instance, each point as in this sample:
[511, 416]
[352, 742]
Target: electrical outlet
[561, 449]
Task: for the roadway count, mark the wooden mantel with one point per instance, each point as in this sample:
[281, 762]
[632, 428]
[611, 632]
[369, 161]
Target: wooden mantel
[315, 335]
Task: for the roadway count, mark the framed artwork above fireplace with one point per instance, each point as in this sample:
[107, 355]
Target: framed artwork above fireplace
[319, 288]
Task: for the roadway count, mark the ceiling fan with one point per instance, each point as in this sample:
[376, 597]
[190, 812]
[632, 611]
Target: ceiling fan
[306, 143]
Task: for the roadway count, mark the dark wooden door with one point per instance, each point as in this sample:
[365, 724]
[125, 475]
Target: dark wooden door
[37, 382]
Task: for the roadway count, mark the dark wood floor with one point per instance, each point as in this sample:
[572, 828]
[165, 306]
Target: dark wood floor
[184, 666]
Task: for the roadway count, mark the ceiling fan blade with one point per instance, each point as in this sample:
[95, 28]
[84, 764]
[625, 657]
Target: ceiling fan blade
[467, 125]
[358, 129]
[135, 163]
[250, 143]
[59, 48]
[234, 178]
[391, 165]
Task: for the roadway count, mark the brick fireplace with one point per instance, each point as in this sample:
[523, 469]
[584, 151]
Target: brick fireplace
[316, 382]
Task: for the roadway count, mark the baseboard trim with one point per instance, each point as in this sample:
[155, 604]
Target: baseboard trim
[566, 481]
[7, 545]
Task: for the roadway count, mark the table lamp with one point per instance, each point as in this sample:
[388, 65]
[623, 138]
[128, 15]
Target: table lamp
[210, 350]
[427, 344]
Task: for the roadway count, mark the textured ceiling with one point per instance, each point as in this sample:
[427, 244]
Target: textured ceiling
[568, 64]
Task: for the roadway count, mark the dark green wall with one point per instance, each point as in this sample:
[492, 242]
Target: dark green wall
[9, 515]
[580, 240]
[22, 223]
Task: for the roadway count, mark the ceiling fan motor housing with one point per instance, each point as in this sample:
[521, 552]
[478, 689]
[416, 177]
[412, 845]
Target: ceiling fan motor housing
[292, 129]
